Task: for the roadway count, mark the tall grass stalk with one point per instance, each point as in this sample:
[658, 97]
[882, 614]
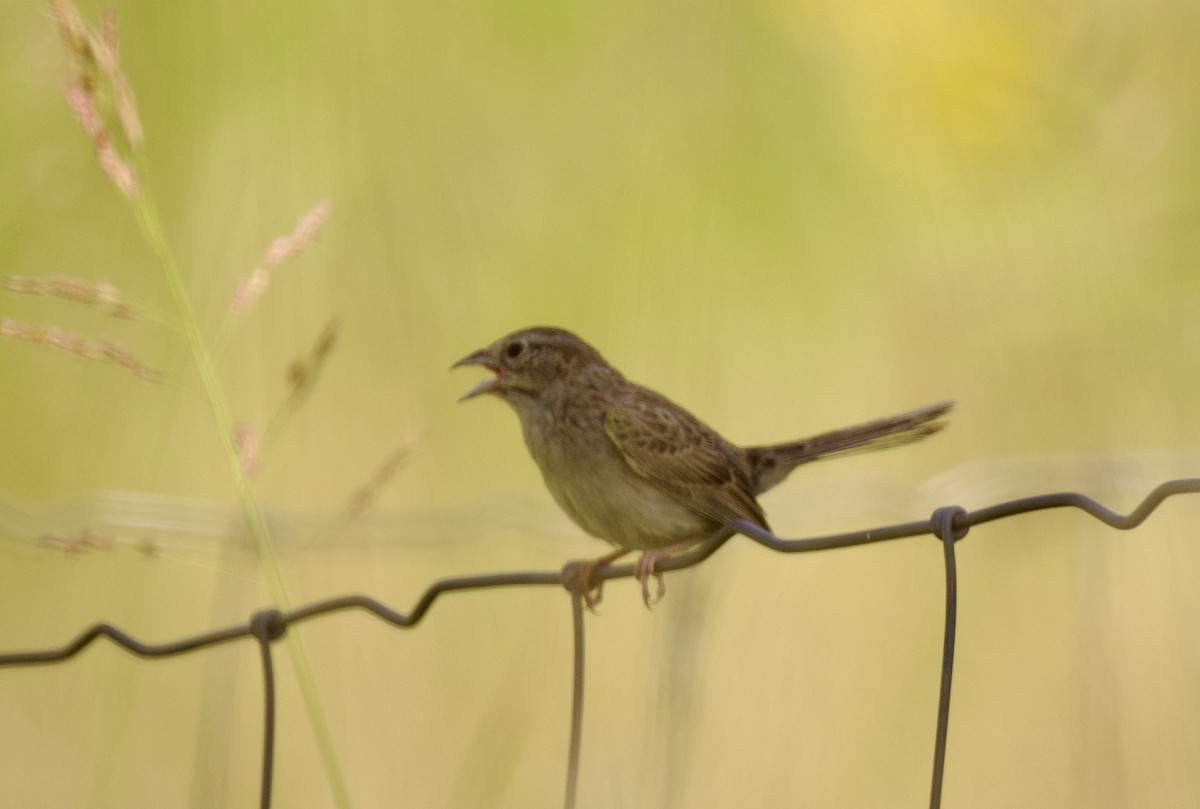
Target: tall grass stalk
[95, 60]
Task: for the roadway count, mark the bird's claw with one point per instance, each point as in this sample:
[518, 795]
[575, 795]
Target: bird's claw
[643, 571]
[578, 578]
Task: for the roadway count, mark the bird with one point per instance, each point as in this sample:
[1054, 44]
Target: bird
[635, 469]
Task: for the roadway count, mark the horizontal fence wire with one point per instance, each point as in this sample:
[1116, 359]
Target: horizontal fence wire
[948, 524]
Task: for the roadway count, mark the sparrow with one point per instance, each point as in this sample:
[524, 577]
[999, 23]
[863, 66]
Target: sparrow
[633, 468]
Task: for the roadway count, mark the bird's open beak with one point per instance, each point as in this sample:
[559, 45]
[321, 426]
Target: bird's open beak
[489, 385]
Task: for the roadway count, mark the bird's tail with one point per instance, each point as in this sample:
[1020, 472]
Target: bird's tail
[770, 465]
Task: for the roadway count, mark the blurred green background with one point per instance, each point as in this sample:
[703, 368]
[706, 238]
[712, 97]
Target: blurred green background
[787, 216]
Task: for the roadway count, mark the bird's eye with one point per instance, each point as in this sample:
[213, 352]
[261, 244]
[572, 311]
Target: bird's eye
[514, 350]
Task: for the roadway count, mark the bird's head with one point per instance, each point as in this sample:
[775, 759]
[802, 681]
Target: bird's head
[528, 362]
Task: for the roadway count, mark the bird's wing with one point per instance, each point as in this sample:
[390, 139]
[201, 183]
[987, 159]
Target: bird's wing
[685, 458]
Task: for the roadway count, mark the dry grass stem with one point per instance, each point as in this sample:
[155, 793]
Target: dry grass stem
[88, 540]
[101, 348]
[249, 447]
[72, 29]
[108, 57]
[280, 250]
[303, 373]
[99, 293]
[83, 105]
[285, 247]
[367, 494]
[95, 56]
[117, 168]
[103, 101]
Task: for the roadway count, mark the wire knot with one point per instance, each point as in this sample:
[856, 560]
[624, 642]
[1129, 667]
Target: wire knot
[268, 625]
[942, 523]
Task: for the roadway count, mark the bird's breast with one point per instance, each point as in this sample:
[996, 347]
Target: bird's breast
[598, 490]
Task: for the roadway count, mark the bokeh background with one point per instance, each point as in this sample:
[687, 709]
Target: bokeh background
[790, 217]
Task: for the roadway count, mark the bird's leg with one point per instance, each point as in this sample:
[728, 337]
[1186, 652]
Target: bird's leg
[645, 568]
[578, 577]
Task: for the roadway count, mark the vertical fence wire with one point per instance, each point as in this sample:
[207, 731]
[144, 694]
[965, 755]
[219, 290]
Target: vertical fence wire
[944, 529]
[267, 626]
[576, 699]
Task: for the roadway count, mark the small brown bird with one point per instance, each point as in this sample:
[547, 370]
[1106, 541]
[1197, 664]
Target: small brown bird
[635, 469]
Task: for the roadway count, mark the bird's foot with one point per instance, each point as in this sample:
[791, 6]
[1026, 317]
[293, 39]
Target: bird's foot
[580, 577]
[645, 568]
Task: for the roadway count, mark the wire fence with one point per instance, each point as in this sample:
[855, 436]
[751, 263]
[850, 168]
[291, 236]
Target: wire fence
[948, 524]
